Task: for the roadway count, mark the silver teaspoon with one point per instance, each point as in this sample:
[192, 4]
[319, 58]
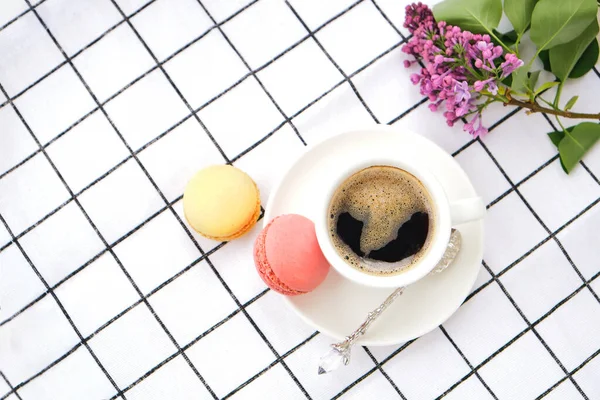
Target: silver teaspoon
[340, 352]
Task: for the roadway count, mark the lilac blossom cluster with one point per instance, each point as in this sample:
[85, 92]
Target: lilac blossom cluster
[461, 69]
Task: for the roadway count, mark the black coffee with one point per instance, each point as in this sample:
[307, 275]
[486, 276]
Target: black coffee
[380, 220]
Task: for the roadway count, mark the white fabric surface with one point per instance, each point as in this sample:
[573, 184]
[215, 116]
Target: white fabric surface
[104, 291]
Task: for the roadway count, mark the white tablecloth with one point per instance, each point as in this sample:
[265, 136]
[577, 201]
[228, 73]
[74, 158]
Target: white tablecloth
[106, 109]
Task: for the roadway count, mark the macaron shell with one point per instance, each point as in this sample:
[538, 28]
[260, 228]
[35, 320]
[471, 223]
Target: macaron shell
[264, 269]
[221, 202]
[251, 222]
[294, 254]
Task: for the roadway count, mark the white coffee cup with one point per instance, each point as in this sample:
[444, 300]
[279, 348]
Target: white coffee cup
[446, 215]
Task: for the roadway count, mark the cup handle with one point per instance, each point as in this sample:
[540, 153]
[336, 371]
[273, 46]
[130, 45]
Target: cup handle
[466, 210]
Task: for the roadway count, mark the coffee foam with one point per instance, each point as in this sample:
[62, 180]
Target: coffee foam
[383, 198]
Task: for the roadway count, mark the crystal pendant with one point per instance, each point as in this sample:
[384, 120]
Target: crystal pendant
[331, 361]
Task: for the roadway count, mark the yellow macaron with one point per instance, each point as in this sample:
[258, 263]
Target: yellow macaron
[221, 202]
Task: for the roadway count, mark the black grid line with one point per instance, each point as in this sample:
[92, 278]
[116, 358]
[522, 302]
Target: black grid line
[341, 71]
[490, 357]
[34, 6]
[12, 389]
[404, 113]
[120, 264]
[27, 230]
[152, 69]
[168, 77]
[572, 372]
[14, 19]
[258, 330]
[109, 247]
[314, 101]
[469, 364]
[78, 52]
[104, 251]
[474, 370]
[262, 86]
[268, 343]
[193, 341]
[360, 98]
[94, 258]
[522, 181]
[199, 337]
[177, 124]
[161, 63]
[535, 332]
[183, 48]
[378, 365]
[389, 21]
[589, 171]
[479, 289]
[60, 306]
[385, 375]
[527, 329]
[491, 128]
[537, 217]
[556, 232]
[122, 313]
[575, 218]
[204, 256]
[551, 235]
[356, 382]
[375, 368]
[278, 360]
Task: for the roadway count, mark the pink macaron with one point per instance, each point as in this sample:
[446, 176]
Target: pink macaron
[288, 257]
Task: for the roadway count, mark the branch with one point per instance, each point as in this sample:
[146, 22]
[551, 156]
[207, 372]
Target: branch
[535, 107]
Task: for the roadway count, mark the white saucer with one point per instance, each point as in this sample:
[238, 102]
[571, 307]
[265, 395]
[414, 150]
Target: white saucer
[338, 306]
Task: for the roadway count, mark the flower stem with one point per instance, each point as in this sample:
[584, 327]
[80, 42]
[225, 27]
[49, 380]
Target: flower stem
[558, 93]
[547, 102]
[535, 107]
[560, 123]
[565, 131]
[499, 41]
[519, 35]
[471, 70]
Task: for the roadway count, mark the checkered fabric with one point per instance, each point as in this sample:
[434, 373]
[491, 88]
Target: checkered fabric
[108, 106]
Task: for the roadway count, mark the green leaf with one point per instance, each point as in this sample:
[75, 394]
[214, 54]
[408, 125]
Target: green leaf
[583, 66]
[508, 38]
[533, 78]
[564, 57]
[556, 137]
[574, 145]
[587, 60]
[478, 16]
[519, 80]
[519, 13]
[571, 103]
[545, 57]
[556, 22]
[546, 86]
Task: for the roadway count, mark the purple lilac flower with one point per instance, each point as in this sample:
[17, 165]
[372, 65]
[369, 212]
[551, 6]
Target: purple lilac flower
[511, 64]
[459, 67]
[416, 15]
[462, 91]
[480, 130]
